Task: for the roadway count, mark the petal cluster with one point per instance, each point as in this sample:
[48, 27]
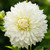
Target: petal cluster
[25, 24]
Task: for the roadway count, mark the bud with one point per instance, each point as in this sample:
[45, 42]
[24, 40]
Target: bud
[1, 17]
[2, 14]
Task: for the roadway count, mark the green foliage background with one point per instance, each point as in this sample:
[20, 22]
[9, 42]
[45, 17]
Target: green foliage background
[43, 4]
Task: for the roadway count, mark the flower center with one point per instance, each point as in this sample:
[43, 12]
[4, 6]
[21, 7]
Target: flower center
[23, 23]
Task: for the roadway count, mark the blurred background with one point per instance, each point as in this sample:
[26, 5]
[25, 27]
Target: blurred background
[43, 4]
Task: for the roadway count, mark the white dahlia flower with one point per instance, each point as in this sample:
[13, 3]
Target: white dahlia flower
[25, 24]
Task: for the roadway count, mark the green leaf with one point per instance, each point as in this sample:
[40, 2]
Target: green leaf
[16, 48]
[13, 48]
[39, 48]
[47, 36]
[1, 22]
[45, 43]
[47, 2]
[9, 47]
[2, 28]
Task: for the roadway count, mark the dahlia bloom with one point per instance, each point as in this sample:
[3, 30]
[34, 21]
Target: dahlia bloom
[25, 24]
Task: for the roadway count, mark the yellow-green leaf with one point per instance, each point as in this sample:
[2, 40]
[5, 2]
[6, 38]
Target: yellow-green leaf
[9, 47]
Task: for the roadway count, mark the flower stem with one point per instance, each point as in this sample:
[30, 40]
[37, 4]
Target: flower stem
[30, 48]
[26, 0]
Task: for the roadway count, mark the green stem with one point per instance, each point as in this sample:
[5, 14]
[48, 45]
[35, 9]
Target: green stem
[30, 48]
[26, 0]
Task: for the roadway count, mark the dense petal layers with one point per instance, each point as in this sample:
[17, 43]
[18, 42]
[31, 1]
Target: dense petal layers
[25, 24]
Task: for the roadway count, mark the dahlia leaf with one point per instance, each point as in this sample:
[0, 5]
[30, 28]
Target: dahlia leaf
[48, 35]
[1, 22]
[9, 47]
[16, 48]
[2, 28]
[39, 48]
[46, 44]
